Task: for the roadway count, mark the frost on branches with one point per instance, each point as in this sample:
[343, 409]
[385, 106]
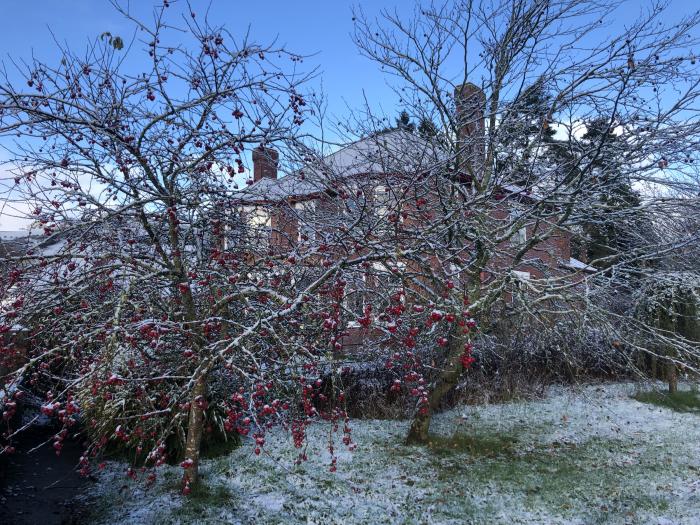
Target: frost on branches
[560, 182]
[165, 309]
[158, 308]
[150, 316]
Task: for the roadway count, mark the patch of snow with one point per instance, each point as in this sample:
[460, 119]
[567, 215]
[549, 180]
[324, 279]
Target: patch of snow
[581, 455]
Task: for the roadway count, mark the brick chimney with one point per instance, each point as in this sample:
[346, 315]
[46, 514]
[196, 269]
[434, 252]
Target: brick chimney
[265, 163]
[470, 103]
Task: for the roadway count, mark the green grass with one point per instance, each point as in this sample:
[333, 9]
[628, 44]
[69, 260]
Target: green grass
[204, 495]
[477, 469]
[476, 445]
[560, 477]
[221, 446]
[204, 500]
[681, 401]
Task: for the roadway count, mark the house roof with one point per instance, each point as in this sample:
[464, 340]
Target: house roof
[16, 242]
[13, 235]
[396, 151]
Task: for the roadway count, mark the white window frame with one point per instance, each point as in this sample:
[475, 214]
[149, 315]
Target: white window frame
[519, 237]
[354, 323]
[303, 210]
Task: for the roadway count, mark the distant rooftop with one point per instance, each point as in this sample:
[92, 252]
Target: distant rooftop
[13, 235]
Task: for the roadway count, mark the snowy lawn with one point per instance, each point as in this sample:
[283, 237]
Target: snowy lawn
[589, 455]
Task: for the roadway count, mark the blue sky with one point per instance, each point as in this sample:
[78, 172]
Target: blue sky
[306, 27]
[318, 27]
[321, 28]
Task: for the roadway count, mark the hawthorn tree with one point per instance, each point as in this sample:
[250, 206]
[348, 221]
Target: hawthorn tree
[551, 123]
[154, 311]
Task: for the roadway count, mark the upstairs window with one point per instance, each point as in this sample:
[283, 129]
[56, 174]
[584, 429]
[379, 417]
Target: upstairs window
[382, 201]
[307, 220]
[258, 222]
[519, 237]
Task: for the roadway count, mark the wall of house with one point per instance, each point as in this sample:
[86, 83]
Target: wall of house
[543, 260]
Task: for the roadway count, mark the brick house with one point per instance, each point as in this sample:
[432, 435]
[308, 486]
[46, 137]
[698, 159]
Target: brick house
[272, 205]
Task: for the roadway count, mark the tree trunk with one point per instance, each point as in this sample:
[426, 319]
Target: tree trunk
[672, 376]
[641, 363]
[420, 427]
[195, 428]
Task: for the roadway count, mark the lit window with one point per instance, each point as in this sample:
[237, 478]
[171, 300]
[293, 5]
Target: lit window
[520, 236]
[381, 201]
[259, 222]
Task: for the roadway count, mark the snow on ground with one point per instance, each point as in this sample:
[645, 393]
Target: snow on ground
[586, 455]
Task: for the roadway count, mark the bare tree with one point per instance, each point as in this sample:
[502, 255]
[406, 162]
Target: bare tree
[553, 127]
[154, 305]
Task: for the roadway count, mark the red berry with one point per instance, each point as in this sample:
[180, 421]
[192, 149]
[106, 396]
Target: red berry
[436, 315]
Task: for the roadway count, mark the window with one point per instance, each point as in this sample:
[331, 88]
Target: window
[306, 215]
[257, 217]
[519, 238]
[519, 287]
[522, 277]
[381, 201]
[385, 208]
[355, 293]
[355, 302]
[377, 287]
[259, 223]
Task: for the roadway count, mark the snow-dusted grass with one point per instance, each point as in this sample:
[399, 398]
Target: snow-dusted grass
[590, 455]
[680, 401]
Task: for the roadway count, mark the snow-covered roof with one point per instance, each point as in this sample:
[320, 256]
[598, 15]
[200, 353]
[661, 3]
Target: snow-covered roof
[396, 151]
[575, 264]
[521, 191]
[19, 236]
[16, 242]
[275, 189]
[49, 250]
[13, 235]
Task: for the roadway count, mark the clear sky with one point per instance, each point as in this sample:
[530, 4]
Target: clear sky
[305, 26]
[309, 27]
[320, 28]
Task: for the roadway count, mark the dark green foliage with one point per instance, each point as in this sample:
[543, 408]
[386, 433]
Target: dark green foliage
[404, 122]
[476, 445]
[528, 147]
[670, 306]
[614, 224]
[427, 128]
